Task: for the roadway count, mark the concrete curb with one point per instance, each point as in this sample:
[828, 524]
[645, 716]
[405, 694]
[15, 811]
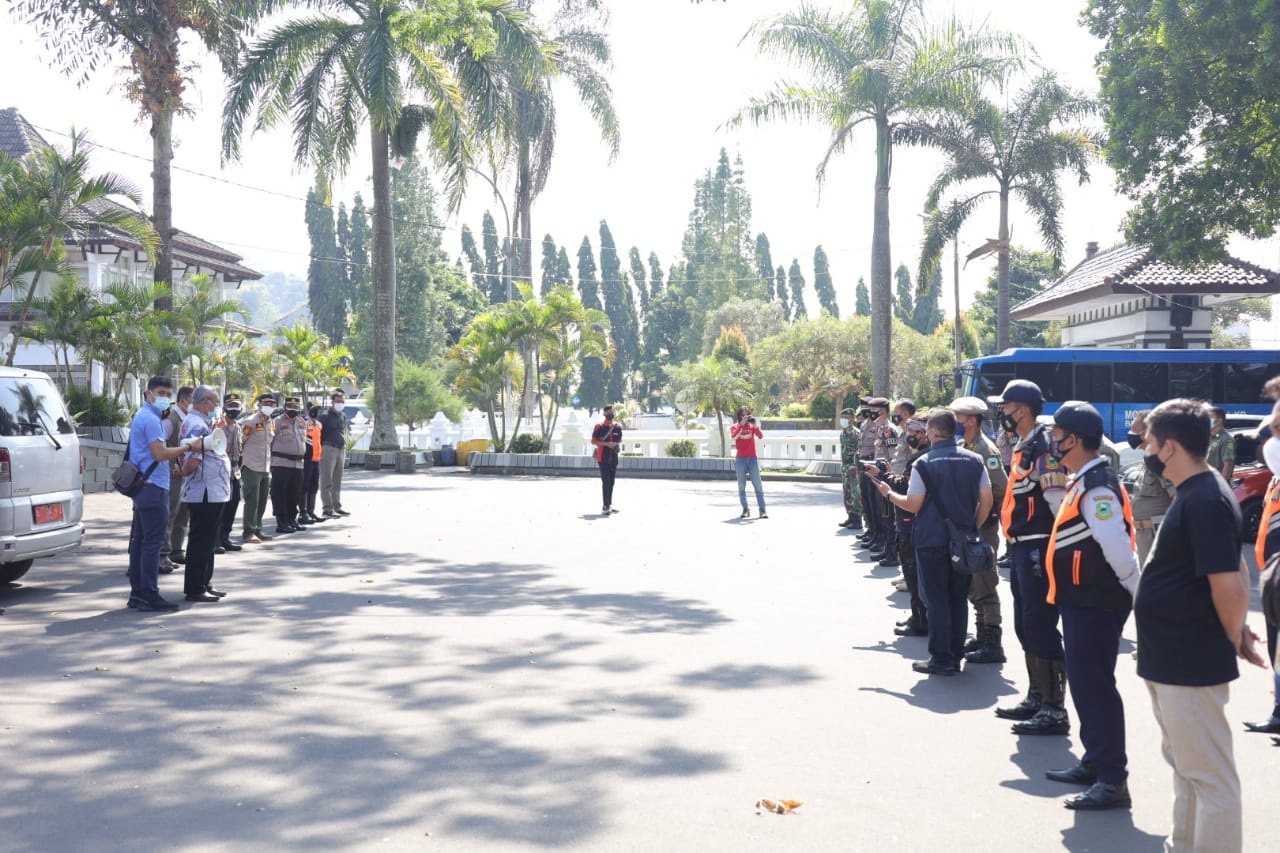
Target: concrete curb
[667, 468]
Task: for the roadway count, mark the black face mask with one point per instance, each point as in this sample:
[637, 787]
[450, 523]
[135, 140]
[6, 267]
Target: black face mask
[608, 416]
[913, 441]
[293, 413]
[231, 414]
[1135, 440]
[1008, 424]
[897, 419]
[1154, 465]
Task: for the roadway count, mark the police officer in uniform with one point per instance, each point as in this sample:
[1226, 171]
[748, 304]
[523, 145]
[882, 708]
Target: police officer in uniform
[917, 624]
[1093, 576]
[288, 452]
[849, 470]
[987, 644]
[888, 440]
[256, 434]
[867, 453]
[1036, 486]
[1150, 495]
[873, 437]
[232, 408]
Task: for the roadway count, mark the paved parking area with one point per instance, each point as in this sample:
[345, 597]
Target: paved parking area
[484, 664]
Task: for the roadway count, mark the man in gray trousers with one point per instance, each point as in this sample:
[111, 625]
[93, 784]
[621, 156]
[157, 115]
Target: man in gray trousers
[333, 439]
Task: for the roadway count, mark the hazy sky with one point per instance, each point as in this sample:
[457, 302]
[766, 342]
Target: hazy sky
[679, 72]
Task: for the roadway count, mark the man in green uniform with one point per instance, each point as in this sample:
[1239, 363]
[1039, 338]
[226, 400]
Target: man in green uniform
[1222, 445]
[850, 469]
[1150, 496]
[986, 647]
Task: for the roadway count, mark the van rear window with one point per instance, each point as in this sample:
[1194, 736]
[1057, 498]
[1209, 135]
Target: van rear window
[32, 406]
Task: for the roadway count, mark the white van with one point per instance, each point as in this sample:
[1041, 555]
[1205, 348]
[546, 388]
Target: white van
[41, 473]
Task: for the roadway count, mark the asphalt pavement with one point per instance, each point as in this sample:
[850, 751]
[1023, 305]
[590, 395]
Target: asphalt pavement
[487, 664]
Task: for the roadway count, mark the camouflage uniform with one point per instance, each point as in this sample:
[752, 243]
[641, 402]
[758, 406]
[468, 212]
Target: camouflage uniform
[849, 469]
[982, 589]
[1150, 497]
[887, 438]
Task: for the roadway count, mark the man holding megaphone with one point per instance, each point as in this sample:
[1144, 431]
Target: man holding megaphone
[206, 486]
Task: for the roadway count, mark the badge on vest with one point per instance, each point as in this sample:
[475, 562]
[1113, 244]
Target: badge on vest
[993, 463]
[1102, 510]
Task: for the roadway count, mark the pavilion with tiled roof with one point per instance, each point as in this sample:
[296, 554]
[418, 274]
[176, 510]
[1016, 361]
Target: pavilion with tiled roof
[1126, 297]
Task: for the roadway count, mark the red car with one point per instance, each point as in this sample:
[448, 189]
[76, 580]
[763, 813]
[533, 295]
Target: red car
[1249, 481]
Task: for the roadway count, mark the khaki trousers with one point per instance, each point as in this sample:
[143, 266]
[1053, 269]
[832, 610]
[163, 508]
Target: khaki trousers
[982, 590]
[1196, 741]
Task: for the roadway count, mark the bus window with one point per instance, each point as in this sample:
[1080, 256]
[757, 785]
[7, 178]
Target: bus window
[1093, 383]
[1141, 383]
[1244, 381]
[994, 377]
[1054, 379]
[1198, 381]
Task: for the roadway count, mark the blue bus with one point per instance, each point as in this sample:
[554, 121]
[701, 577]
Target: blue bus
[1120, 382]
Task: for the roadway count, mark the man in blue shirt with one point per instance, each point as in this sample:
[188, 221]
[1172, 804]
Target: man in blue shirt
[148, 451]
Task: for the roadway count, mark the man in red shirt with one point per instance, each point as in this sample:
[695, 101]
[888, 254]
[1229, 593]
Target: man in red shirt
[745, 432]
[607, 438]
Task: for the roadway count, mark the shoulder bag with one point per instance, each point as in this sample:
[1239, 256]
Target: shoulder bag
[970, 553]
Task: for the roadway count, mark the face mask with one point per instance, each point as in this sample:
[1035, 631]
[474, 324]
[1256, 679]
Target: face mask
[913, 441]
[1056, 449]
[1008, 424]
[608, 416]
[1271, 453]
[266, 410]
[217, 410]
[1135, 440]
[338, 407]
[1154, 465]
[897, 419]
[162, 403]
[293, 413]
[844, 423]
[232, 414]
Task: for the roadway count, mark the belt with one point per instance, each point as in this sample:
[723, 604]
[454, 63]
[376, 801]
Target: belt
[1030, 537]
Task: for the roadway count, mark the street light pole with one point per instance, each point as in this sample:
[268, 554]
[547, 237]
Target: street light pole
[510, 263]
[955, 260]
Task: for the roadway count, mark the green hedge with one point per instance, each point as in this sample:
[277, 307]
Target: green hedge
[682, 448]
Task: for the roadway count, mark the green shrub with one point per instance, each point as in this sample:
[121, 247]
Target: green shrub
[822, 408]
[94, 410]
[527, 442]
[682, 448]
[795, 411]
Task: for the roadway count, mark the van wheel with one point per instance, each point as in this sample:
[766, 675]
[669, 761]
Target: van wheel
[10, 572]
[1251, 510]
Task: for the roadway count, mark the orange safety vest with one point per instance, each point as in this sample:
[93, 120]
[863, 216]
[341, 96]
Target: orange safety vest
[1268, 541]
[1079, 574]
[313, 438]
[1025, 510]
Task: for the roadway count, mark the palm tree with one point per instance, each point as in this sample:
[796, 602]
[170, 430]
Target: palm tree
[718, 384]
[20, 233]
[580, 50]
[573, 333]
[84, 35]
[135, 338]
[333, 73]
[483, 366]
[64, 316]
[1020, 149]
[72, 205]
[200, 315]
[879, 63]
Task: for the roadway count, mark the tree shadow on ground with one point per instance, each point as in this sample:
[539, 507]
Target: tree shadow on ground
[740, 677]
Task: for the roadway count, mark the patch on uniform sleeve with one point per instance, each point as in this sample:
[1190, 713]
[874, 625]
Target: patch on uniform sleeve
[993, 463]
[1102, 510]
[1051, 461]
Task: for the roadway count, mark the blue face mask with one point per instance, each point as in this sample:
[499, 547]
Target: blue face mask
[162, 404]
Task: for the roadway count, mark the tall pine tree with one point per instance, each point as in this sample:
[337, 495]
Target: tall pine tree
[495, 260]
[795, 280]
[764, 265]
[471, 252]
[564, 270]
[638, 279]
[780, 288]
[619, 305]
[591, 391]
[862, 298]
[549, 265]
[360, 341]
[903, 306]
[822, 284]
[927, 313]
[655, 276]
[325, 297]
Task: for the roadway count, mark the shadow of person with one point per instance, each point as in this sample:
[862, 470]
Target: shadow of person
[1034, 754]
[972, 690]
[1109, 830]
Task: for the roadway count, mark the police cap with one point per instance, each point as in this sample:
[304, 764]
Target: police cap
[266, 398]
[969, 406]
[847, 411]
[1021, 391]
[1080, 418]
[876, 402]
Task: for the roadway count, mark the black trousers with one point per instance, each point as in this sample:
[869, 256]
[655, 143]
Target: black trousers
[608, 473]
[946, 601]
[870, 505]
[202, 537]
[1091, 638]
[310, 486]
[285, 484]
[907, 556]
[229, 509]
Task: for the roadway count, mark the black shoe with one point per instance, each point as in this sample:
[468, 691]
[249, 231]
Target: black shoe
[613, 510]
[848, 522]
[202, 596]
[216, 593]
[1024, 710]
[166, 568]
[904, 622]
[877, 555]
[932, 667]
[989, 649]
[179, 557]
[1101, 796]
[283, 530]
[152, 605]
[302, 519]
[297, 528]
[228, 545]
[1083, 773]
[911, 629]
[1047, 721]
[891, 561]
[328, 513]
[342, 512]
[218, 549]
[746, 513]
[1270, 727]
[315, 519]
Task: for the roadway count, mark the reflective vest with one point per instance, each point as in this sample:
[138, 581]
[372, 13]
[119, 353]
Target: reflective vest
[1025, 510]
[1079, 574]
[314, 448]
[1268, 542]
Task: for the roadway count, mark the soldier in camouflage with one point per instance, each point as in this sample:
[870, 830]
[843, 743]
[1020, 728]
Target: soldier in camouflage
[849, 470]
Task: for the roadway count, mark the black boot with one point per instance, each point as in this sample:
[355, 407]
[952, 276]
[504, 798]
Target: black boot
[1052, 718]
[990, 651]
[848, 522]
[1027, 708]
[980, 634]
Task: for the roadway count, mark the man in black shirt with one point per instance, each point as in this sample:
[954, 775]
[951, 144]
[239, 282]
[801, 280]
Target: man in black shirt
[607, 438]
[1190, 610]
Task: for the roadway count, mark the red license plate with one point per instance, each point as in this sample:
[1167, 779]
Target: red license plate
[45, 513]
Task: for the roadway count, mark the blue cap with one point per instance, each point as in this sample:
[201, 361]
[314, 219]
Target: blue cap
[1020, 391]
[1079, 418]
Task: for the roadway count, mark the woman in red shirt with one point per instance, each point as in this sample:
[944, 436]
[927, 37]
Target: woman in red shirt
[745, 432]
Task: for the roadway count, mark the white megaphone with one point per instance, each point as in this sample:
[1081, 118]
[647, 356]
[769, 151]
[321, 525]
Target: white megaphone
[216, 441]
